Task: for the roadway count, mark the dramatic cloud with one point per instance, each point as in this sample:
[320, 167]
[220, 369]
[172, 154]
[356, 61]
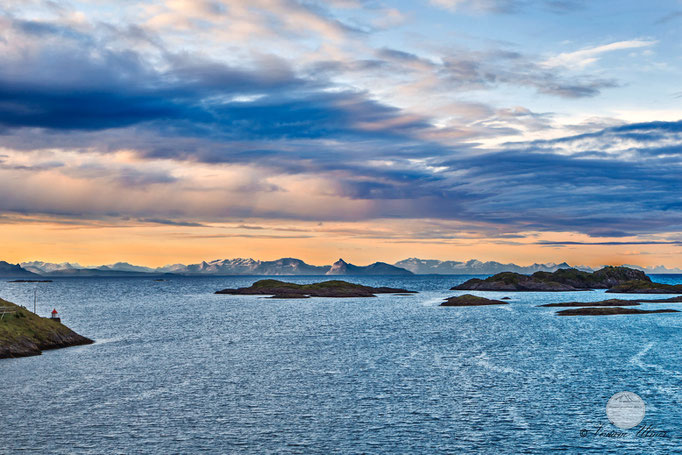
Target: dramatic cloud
[193, 113]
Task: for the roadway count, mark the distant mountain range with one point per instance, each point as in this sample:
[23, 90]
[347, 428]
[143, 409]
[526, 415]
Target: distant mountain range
[14, 271]
[290, 266]
[341, 267]
[219, 267]
[474, 267]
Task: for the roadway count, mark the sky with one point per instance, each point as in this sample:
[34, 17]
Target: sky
[159, 132]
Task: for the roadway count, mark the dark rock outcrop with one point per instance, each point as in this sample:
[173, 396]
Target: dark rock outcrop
[601, 303]
[609, 311]
[471, 300]
[614, 302]
[645, 287]
[23, 333]
[669, 300]
[30, 281]
[561, 280]
[334, 288]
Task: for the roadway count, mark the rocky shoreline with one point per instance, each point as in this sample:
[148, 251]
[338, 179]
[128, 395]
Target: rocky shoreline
[23, 333]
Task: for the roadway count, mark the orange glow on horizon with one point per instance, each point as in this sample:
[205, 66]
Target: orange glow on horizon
[152, 245]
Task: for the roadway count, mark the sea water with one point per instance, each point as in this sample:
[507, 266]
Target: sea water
[178, 369]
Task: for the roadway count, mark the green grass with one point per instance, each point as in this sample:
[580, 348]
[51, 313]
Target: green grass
[26, 325]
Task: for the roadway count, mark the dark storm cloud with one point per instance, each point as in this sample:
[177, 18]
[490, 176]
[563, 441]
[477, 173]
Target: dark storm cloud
[602, 195]
[75, 82]
[80, 86]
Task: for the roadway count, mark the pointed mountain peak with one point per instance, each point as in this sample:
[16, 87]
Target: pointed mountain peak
[340, 267]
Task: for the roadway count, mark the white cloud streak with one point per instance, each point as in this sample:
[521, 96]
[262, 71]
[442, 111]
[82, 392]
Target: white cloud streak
[587, 56]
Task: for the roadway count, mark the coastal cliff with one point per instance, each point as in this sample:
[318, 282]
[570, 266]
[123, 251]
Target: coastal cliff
[23, 333]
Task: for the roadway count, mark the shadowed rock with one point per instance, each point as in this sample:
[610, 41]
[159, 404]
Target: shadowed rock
[669, 300]
[609, 311]
[601, 303]
[335, 288]
[645, 287]
[471, 300]
[561, 280]
[30, 281]
[613, 302]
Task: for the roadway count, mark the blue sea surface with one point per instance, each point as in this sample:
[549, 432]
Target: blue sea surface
[178, 369]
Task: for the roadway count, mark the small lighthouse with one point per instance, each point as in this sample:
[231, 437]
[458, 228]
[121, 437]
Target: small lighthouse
[55, 315]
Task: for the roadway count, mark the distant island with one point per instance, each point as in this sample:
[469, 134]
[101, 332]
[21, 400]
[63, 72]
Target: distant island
[600, 303]
[610, 307]
[30, 281]
[610, 311]
[23, 333]
[615, 279]
[646, 287]
[334, 288]
[471, 300]
[288, 267]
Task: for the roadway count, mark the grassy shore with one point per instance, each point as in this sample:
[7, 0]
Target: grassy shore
[23, 333]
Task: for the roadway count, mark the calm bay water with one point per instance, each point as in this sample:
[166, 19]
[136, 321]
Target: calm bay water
[177, 369]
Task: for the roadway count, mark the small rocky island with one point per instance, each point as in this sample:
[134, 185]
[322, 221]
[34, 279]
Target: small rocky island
[615, 279]
[614, 302]
[601, 303]
[609, 311]
[334, 288]
[30, 281]
[645, 287]
[23, 333]
[471, 300]
[610, 307]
